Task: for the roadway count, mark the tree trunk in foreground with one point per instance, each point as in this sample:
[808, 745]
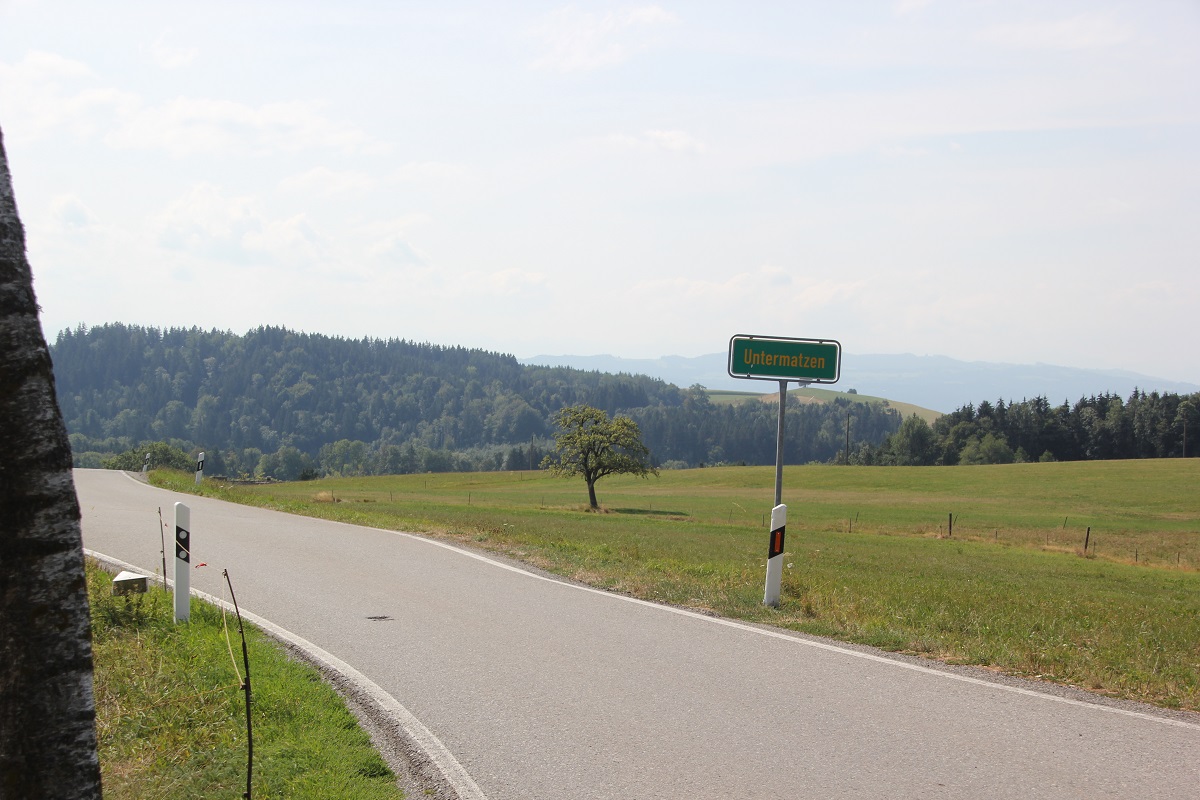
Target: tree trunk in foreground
[47, 710]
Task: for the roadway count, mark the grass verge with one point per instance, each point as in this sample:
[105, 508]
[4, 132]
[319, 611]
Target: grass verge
[171, 716]
[870, 559]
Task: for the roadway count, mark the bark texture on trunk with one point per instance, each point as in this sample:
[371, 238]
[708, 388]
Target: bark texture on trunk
[47, 709]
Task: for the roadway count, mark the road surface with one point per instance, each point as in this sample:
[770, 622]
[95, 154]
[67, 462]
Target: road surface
[544, 689]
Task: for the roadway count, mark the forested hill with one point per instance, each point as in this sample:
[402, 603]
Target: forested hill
[282, 403]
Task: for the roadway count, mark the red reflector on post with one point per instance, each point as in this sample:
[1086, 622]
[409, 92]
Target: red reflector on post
[776, 547]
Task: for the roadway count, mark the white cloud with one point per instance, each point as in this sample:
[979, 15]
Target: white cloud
[291, 242]
[326, 181]
[169, 56]
[204, 214]
[766, 287]
[45, 92]
[671, 140]
[903, 151]
[866, 168]
[396, 250]
[45, 67]
[677, 141]
[503, 283]
[201, 126]
[578, 40]
[71, 213]
[903, 7]
[206, 224]
[1083, 31]
[429, 170]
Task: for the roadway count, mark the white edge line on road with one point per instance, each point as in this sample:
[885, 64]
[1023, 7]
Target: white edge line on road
[799, 640]
[429, 744]
[820, 645]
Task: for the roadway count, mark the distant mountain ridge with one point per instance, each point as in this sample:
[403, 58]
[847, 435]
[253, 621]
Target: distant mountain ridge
[935, 382]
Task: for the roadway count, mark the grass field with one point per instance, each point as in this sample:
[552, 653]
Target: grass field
[171, 719]
[813, 394]
[870, 557]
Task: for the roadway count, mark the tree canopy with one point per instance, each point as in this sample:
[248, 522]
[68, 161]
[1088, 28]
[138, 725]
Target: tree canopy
[277, 403]
[1147, 425]
[591, 445]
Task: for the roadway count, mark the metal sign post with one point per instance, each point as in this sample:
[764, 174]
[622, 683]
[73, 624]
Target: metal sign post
[779, 444]
[183, 558]
[783, 359]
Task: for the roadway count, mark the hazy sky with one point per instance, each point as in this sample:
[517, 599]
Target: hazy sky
[1000, 181]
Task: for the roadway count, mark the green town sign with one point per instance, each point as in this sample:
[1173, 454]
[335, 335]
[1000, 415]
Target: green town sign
[782, 359]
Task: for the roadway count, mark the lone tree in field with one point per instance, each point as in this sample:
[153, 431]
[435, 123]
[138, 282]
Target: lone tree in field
[592, 445]
[47, 712]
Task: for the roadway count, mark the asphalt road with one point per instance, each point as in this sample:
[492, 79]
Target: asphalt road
[543, 689]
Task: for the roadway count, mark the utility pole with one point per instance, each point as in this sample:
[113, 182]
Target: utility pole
[1183, 413]
[847, 461]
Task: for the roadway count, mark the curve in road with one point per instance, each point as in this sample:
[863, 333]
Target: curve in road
[544, 689]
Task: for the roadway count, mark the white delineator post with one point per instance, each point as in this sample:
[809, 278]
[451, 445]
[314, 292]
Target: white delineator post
[183, 558]
[199, 468]
[775, 556]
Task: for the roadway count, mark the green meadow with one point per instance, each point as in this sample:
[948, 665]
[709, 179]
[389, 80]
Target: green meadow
[171, 719]
[980, 565]
[815, 394]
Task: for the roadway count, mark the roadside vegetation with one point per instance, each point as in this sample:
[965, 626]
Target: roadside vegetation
[979, 565]
[171, 717]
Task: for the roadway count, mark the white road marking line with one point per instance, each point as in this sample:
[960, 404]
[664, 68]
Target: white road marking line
[437, 753]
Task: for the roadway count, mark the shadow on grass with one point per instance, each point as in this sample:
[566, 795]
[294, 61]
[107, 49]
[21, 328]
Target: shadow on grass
[648, 512]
